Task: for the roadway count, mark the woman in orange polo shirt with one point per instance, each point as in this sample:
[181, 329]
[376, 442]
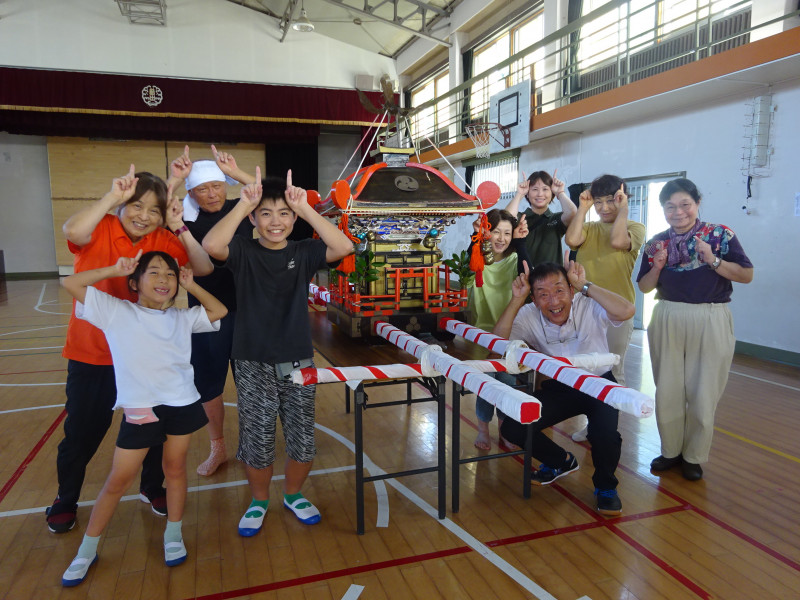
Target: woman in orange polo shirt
[97, 239]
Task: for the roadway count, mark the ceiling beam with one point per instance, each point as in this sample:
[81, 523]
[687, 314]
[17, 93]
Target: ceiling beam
[372, 15]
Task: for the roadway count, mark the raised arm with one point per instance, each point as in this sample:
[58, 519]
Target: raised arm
[227, 164]
[620, 238]
[520, 290]
[522, 190]
[575, 236]
[339, 245]
[79, 227]
[198, 258]
[568, 208]
[76, 284]
[214, 308]
[217, 240]
[617, 308]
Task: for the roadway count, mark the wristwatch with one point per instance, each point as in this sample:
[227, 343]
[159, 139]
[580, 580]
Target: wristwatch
[715, 265]
[180, 230]
[585, 288]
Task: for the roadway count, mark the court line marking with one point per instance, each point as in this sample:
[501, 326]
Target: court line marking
[29, 330]
[192, 489]
[761, 379]
[353, 592]
[41, 302]
[482, 549]
[741, 438]
[42, 348]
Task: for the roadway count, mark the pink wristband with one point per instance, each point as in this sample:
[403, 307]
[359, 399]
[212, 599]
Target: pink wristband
[180, 230]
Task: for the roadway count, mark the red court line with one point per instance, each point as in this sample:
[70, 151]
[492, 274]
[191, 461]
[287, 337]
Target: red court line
[716, 520]
[31, 455]
[660, 562]
[277, 585]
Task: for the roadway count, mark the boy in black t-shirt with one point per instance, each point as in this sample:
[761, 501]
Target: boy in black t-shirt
[272, 275]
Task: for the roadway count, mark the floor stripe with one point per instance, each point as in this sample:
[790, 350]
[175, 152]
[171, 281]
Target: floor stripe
[32, 372]
[42, 348]
[348, 572]
[31, 455]
[353, 592]
[192, 489]
[761, 379]
[729, 528]
[757, 444]
[15, 410]
[380, 486]
[29, 330]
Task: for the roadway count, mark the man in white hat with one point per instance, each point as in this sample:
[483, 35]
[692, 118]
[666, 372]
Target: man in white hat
[204, 206]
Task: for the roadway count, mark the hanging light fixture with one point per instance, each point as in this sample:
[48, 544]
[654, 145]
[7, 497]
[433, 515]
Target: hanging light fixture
[303, 24]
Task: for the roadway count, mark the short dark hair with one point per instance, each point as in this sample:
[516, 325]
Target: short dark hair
[544, 270]
[496, 215]
[147, 182]
[543, 175]
[145, 261]
[607, 185]
[273, 189]
[679, 185]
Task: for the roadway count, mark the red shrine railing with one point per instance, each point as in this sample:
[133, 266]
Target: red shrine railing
[437, 295]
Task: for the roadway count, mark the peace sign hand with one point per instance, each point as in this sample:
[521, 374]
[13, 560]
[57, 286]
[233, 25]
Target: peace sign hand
[181, 166]
[225, 161]
[122, 188]
[251, 193]
[558, 185]
[523, 186]
[125, 265]
[521, 287]
[296, 197]
[621, 199]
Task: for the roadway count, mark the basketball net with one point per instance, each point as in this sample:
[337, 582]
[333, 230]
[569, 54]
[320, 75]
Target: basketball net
[481, 135]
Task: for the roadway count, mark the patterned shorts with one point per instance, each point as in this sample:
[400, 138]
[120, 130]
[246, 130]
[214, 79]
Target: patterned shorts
[261, 399]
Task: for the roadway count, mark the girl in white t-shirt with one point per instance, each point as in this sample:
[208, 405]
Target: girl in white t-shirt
[150, 343]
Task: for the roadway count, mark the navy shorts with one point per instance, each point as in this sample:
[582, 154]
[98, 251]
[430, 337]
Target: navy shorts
[172, 420]
[211, 355]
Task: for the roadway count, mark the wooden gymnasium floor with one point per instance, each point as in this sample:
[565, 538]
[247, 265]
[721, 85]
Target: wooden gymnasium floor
[733, 535]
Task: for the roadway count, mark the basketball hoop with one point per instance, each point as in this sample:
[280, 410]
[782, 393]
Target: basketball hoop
[482, 133]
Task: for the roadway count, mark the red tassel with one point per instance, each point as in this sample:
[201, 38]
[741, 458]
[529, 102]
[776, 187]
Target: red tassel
[476, 261]
[348, 263]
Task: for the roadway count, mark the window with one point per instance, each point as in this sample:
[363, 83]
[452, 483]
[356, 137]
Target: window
[506, 43]
[430, 121]
[641, 23]
[504, 172]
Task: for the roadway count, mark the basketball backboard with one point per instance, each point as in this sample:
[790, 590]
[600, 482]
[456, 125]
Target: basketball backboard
[511, 108]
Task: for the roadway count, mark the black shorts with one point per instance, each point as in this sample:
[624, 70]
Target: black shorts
[172, 420]
[211, 355]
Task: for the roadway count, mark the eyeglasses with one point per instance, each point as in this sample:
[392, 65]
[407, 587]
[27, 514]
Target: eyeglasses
[671, 208]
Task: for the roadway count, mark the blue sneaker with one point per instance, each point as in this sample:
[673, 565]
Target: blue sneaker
[250, 524]
[77, 570]
[547, 475]
[608, 502]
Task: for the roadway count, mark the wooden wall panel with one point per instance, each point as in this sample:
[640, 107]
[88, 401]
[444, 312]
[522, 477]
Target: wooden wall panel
[83, 168]
[81, 171]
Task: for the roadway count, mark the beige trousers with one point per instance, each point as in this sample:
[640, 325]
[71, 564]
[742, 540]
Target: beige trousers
[691, 346]
[618, 339]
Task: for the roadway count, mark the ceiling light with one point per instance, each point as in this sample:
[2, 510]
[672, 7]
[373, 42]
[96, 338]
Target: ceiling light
[303, 24]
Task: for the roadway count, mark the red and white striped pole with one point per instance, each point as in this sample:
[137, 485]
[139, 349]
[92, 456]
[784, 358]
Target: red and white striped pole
[561, 369]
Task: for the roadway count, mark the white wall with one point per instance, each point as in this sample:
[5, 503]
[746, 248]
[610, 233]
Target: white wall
[207, 39]
[707, 143]
[26, 229]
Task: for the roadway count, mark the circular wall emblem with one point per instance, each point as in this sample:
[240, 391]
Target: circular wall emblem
[152, 96]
